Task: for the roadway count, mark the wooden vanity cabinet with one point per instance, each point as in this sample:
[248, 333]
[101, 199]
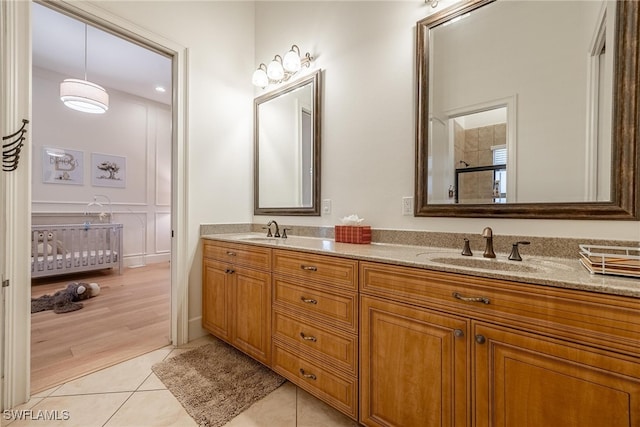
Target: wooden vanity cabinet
[236, 296]
[402, 346]
[315, 325]
[413, 366]
[533, 355]
[526, 379]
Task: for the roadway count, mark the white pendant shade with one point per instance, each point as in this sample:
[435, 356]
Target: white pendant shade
[82, 95]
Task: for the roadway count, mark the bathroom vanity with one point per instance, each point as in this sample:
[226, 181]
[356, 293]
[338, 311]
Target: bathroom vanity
[396, 335]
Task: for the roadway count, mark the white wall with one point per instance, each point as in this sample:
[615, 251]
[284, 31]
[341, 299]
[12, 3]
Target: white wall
[219, 37]
[367, 50]
[134, 128]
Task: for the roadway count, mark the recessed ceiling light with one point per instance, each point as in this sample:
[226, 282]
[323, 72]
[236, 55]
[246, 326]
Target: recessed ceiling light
[160, 89]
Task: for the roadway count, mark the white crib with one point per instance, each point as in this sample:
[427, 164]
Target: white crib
[72, 248]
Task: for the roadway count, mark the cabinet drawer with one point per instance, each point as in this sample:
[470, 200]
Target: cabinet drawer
[338, 390]
[605, 321]
[324, 345]
[336, 309]
[329, 270]
[246, 255]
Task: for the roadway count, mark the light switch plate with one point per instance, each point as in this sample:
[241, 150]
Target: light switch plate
[407, 206]
[326, 206]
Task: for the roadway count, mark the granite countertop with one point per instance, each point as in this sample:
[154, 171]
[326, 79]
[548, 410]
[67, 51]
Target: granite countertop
[556, 272]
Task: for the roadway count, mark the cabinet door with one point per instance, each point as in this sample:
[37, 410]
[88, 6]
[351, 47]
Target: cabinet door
[414, 366]
[216, 298]
[251, 313]
[527, 380]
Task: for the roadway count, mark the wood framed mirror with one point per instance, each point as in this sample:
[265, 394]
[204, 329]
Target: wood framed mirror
[568, 135]
[287, 134]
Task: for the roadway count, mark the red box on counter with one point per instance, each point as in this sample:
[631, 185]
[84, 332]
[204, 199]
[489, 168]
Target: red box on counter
[353, 234]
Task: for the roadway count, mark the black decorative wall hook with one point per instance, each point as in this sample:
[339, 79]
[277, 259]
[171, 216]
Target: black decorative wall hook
[11, 150]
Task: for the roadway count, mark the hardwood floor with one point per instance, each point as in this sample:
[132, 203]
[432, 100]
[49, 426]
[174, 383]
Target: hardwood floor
[130, 317]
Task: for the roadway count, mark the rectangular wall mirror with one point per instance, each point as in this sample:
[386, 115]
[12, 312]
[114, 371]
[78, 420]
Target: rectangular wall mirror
[287, 149]
[528, 109]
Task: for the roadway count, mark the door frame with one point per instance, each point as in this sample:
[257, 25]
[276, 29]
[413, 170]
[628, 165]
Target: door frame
[17, 188]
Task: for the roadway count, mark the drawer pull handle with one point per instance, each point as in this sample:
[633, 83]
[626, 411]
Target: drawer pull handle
[308, 300]
[483, 300]
[231, 253]
[304, 374]
[308, 337]
[309, 267]
[229, 271]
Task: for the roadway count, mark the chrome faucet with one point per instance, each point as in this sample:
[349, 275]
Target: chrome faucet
[277, 233]
[487, 233]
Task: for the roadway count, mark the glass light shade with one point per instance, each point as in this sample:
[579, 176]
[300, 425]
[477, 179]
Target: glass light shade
[84, 96]
[260, 78]
[291, 61]
[275, 70]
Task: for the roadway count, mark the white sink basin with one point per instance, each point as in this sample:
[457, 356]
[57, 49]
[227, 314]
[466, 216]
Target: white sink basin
[487, 264]
[259, 239]
[532, 265]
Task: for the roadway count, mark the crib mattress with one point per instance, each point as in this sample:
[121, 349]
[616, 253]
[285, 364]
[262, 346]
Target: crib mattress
[74, 260]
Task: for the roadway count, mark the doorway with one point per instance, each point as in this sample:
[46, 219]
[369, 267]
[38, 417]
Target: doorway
[136, 135]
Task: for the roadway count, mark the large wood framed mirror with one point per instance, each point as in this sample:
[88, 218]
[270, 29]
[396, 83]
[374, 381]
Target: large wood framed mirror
[287, 149]
[529, 109]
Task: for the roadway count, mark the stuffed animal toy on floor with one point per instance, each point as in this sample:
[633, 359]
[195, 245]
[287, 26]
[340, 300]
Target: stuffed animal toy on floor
[65, 300]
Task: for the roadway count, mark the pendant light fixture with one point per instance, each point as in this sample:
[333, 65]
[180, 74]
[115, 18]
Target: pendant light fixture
[83, 95]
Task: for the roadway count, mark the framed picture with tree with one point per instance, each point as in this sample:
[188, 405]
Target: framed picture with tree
[108, 170]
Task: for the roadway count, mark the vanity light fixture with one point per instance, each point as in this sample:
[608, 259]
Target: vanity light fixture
[83, 95]
[281, 69]
[433, 3]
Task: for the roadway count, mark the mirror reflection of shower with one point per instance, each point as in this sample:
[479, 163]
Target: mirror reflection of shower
[480, 148]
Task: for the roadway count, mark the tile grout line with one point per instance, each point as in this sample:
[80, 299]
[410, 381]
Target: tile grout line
[117, 409]
[132, 393]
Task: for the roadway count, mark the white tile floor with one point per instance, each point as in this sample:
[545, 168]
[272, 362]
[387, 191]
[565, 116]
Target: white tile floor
[130, 395]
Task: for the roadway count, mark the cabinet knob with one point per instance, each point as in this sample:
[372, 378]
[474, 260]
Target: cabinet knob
[480, 339]
[304, 374]
[458, 333]
[308, 337]
[308, 300]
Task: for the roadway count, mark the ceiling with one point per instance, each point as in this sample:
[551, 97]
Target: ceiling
[112, 62]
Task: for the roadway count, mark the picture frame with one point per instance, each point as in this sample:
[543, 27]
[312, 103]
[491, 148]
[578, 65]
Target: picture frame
[62, 166]
[108, 170]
